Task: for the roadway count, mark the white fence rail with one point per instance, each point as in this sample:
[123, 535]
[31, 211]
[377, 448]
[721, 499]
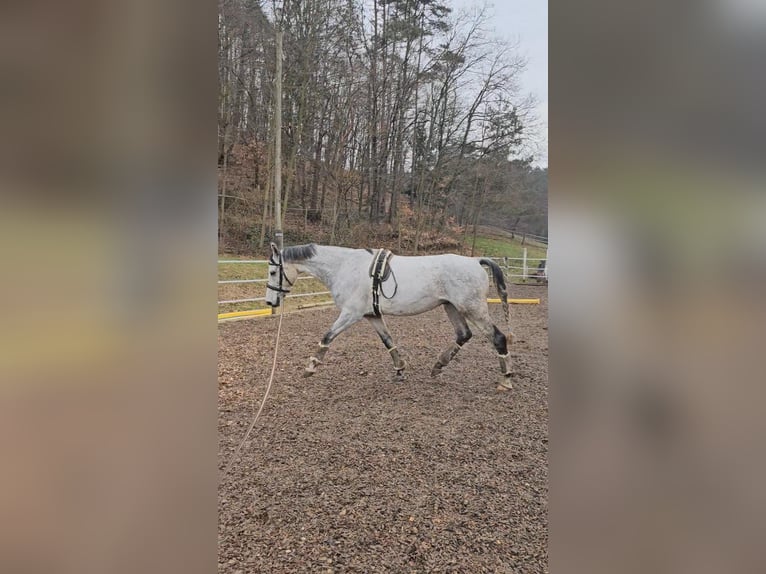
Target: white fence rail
[523, 236]
[533, 237]
[256, 281]
[232, 281]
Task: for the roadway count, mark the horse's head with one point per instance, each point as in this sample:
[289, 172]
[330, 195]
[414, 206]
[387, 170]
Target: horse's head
[282, 275]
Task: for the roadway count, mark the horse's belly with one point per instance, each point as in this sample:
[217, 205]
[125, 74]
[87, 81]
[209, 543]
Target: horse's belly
[410, 305]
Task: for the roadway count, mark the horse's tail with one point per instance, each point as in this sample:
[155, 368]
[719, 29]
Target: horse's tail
[499, 278]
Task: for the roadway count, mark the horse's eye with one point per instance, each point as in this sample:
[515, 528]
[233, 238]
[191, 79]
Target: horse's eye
[272, 273]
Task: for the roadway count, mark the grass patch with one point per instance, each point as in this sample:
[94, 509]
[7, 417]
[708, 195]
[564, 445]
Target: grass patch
[498, 247]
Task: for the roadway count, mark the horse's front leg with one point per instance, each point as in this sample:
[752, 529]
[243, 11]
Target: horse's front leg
[343, 322]
[388, 341]
[316, 359]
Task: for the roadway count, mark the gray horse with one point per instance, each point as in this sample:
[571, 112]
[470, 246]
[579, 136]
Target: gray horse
[414, 285]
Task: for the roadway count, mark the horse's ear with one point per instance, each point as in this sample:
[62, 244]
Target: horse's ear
[274, 251]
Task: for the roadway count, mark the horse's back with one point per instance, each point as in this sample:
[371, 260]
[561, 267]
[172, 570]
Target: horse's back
[439, 267]
[427, 281]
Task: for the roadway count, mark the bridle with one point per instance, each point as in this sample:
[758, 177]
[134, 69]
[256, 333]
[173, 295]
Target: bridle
[282, 276]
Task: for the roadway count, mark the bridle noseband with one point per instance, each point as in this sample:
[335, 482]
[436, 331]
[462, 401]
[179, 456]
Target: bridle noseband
[282, 276]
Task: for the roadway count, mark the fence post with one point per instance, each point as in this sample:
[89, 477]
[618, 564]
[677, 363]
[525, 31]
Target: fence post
[524, 265]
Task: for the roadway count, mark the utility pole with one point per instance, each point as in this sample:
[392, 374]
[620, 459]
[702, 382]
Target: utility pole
[278, 235]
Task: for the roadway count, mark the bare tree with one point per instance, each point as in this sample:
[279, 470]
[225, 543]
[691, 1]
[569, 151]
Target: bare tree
[389, 105]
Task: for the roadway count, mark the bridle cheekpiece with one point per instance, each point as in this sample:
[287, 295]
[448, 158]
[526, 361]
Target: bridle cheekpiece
[282, 275]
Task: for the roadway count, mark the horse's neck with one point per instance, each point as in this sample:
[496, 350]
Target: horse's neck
[324, 264]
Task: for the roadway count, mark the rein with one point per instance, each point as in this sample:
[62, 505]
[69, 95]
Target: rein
[396, 287]
[279, 289]
[233, 458]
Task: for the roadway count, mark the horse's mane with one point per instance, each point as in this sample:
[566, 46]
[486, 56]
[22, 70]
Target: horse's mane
[299, 252]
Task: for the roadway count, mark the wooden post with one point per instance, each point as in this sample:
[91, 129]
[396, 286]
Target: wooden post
[278, 236]
[524, 271]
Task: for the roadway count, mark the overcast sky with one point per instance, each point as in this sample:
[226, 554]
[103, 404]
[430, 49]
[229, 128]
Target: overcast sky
[527, 22]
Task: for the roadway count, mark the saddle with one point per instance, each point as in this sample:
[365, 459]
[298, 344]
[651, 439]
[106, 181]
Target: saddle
[380, 270]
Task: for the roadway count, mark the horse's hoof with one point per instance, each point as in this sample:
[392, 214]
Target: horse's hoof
[399, 377]
[307, 373]
[504, 384]
[436, 371]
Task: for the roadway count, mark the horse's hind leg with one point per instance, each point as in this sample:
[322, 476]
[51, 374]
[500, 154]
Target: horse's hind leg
[388, 341]
[462, 335]
[343, 322]
[480, 318]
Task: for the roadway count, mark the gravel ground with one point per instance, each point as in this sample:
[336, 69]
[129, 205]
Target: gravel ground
[349, 471]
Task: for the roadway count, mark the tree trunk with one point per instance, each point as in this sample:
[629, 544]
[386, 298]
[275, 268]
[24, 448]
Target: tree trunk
[221, 217]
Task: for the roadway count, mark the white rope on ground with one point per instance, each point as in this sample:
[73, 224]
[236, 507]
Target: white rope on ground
[263, 402]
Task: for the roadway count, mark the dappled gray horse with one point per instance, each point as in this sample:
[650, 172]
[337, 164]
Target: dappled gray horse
[414, 285]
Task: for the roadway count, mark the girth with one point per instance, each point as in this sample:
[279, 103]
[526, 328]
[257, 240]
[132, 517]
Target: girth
[379, 271]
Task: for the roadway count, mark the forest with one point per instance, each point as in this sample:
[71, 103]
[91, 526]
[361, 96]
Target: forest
[403, 125]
